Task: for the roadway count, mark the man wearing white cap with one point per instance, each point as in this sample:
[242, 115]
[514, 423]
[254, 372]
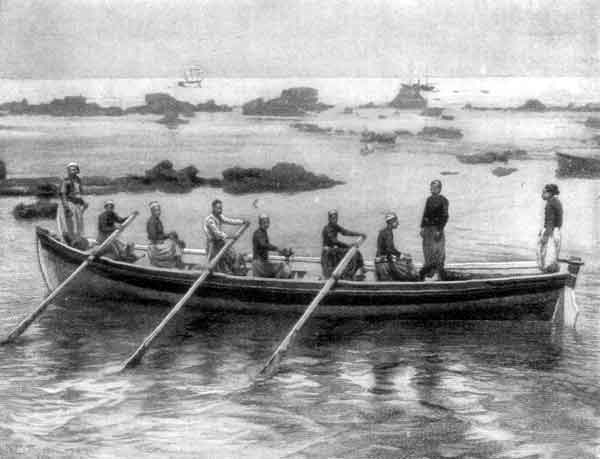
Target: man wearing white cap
[164, 250]
[334, 250]
[261, 266]
[390, 263]
[108, 222]
[72, 203]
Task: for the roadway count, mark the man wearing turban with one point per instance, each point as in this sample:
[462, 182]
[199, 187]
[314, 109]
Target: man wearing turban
[73, 205]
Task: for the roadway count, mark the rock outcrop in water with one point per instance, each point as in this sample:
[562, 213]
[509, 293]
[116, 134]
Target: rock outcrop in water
[433, 112]
[592, 122]
[440, 132]
[283, 177]
[534, 105]
[408, 97]
[161, 104]
[67, 106]
[172, 120]
[211, 107]
[292, 102]
[38, 209]
[378, 137]
[531, 105]
[156, 103]
[492, 156]
[503, 171]
[162, 177]
[42, 208]
[311, 127]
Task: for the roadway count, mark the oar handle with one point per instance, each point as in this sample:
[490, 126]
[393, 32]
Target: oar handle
[228, 244]
[110, 239]
[27, 321]
[135, 358]
[339, 270]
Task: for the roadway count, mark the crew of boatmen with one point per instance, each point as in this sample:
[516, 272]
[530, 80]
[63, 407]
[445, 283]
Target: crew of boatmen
[165, 248]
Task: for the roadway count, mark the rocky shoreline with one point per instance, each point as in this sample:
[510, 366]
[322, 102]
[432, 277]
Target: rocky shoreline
[281, 178]
[156, 103]
[534, 105]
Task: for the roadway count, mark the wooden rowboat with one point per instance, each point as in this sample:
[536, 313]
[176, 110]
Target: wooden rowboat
[482, 291]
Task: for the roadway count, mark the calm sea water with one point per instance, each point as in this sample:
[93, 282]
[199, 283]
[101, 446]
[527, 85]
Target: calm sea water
[357, 389]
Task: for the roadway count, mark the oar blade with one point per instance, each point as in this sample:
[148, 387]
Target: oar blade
[136, 357]
[270, 368]
[27, 321]
[272, 365]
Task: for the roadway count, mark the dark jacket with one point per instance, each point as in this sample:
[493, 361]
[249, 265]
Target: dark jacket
[106, 224]
[330, 235]
[436, 212]
[156, 232]
[385, 243]
[553, 214]
[261, 245]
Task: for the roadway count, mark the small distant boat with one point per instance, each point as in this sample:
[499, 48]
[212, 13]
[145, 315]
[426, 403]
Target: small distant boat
[367, 149]
[423, 86]
[577, 166]
[485, 91]
[192, 78]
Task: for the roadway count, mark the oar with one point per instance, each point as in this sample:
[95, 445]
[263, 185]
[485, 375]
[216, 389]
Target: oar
[274, 360]
[27, 321]
[139, 353]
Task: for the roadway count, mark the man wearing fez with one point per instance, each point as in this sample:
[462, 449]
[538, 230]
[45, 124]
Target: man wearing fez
[390, 263]
[164, 250]
[261, 266]
[435, 217]
[108, 222]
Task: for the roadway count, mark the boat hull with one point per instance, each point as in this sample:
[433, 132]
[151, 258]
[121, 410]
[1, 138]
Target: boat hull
[577, 166]
[511, 298]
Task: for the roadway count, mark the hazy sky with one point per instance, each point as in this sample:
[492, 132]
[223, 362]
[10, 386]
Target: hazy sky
[282, 38]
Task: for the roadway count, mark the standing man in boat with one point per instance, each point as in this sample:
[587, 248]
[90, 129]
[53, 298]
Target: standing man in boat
[549, 238]
[261, 266]
[230, 262]
[108, 222]
[73, 204]
[164, 250]
[334, 250]
[390, 263]
[435, 217]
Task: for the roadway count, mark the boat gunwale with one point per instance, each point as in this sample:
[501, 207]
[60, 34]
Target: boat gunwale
[308, 285]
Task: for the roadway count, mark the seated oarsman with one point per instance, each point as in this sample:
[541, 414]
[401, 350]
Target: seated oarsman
[165, 249]
[230, 262]
[390, 263]
[108, 222]
[334, 250]
[261, 266]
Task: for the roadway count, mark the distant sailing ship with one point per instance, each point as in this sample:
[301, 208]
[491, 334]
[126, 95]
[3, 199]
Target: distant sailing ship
[192, 78]
[423, 86]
